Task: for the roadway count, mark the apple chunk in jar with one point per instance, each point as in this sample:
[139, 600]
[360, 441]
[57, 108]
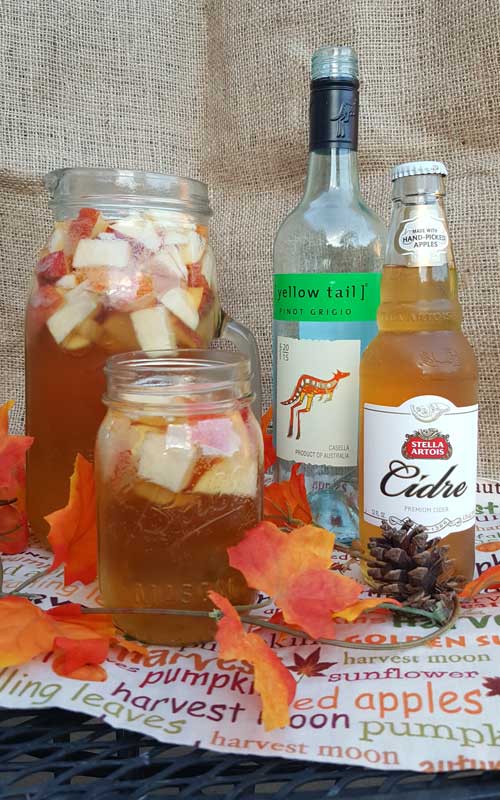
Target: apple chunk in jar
[179, 480]
[134, 271]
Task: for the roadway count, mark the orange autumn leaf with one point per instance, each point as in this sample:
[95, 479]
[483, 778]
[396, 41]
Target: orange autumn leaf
[273, 682]
[14, 532]
[89, 672]
[81, 642]
[286, 502]
[269, 451]
[72, 655]
[129, 645]
[80, 645]
[488, 547]
[73, 531]
[72, 622]
[277, 619]
[294, 569]
[25, 631]
[490, 579]
[351, 613]
[4, 416]
[12, 457]
[13, 521]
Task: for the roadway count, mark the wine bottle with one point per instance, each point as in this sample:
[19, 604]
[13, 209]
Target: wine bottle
[327, 259]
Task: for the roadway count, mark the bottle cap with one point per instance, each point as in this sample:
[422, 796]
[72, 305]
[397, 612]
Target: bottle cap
[334, 61]
[418, 168]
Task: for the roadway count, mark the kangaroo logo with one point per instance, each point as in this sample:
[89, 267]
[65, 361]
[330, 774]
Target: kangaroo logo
[346, 111]
[307, 388]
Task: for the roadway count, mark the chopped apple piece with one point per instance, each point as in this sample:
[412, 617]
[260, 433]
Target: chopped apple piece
[67, 281]
[71, 314]
[208, 266]
[193, 250]
[46, 297]
[101, 253]
[197, 280]
[152, 328]
[168, 460]
[116, 441]
[149, 422]
[184, 336]
[117, 333]
[58, 237]
[52, 267]
[90, 329]
[216, 436]
[170, 219]
[140, 229]
[157, 495]
[179, 302]
[168, 262]
[80, 290]
[75, 342]
[43, 302]
[196, 295]
[235, 476]
[174, 236]
[88, 224]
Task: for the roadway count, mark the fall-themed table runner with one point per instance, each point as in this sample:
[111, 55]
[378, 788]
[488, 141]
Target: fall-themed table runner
[432, 708]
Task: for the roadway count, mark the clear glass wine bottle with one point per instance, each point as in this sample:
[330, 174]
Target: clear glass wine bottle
[328, 255]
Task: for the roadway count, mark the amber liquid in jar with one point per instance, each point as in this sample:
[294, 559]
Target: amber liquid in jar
[420, 350]
[174, 492]
[107, 282]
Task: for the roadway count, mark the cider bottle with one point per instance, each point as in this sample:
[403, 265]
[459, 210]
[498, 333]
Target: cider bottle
[418, 381]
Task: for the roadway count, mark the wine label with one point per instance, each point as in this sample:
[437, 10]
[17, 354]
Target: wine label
[420, 463]
[317, 371]
[316, 413]
[323, 297]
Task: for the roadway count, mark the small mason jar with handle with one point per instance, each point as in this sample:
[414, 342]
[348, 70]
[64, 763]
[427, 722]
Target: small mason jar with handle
[179, 480]
[128, 265]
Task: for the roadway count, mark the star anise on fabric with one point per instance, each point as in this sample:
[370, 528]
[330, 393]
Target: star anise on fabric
[407, 566]
[310, 667]
[493, 686]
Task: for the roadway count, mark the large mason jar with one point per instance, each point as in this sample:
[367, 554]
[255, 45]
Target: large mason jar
[179, 480]
[128, 265]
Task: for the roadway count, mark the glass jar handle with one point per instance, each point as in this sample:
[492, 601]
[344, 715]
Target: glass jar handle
[245, 342]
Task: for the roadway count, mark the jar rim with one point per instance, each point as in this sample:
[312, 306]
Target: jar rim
[98, 187]
[174, 378]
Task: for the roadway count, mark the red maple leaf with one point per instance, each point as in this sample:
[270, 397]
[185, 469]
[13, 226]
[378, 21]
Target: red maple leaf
[493, 686]
[310, 667]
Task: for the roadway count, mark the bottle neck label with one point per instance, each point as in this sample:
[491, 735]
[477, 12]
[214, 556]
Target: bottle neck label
[333, 114]
[420, 463]
[418, 235]
[425, 234]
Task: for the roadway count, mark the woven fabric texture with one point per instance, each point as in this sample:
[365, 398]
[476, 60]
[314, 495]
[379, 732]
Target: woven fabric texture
[218, 89]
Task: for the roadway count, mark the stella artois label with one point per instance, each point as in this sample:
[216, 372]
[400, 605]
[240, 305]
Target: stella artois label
[420, 463]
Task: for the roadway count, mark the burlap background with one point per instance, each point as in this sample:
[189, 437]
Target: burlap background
[219, 90]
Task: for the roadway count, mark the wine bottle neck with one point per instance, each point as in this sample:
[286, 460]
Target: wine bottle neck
[333, 137]
[334, 170]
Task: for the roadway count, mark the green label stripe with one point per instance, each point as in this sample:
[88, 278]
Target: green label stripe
[327, 297]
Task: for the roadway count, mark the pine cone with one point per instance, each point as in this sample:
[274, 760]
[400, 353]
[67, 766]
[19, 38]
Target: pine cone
[413, 570]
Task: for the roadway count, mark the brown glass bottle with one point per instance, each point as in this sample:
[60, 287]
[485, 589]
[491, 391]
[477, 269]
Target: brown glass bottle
[418, 381]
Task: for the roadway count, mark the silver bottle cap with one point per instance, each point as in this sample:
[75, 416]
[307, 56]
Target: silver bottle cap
[334, 62]
[418, 168]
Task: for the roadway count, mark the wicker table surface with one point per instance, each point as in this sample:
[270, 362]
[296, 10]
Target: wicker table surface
[60, 755]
